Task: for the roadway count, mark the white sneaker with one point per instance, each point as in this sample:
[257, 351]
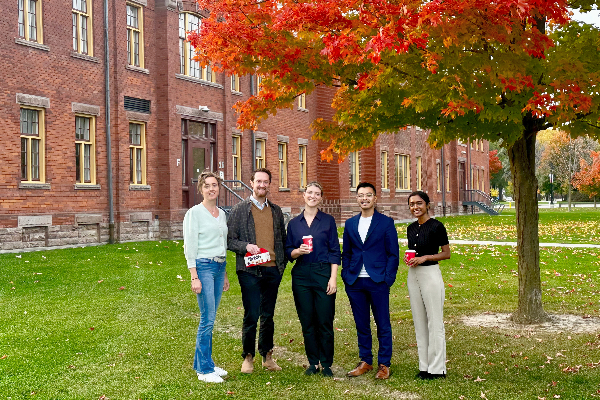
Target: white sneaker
[220, 371]
[212, 378]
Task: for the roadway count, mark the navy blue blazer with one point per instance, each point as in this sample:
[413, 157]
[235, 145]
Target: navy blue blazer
[379, 253]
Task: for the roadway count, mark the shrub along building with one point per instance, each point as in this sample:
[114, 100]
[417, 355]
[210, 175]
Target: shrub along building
[106, 142]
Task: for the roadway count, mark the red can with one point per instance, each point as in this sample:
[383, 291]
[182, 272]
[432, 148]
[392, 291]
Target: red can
[308, 240]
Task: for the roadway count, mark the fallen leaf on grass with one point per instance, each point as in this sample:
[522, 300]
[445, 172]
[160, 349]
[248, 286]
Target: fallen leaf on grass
[229, 391]
[268, 383]
[479, 379]
[92, 328]
[482, 395]
[3, 357]
[122, 288]
[101, 280]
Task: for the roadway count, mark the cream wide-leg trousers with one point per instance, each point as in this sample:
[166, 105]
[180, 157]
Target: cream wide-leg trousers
[426, 291]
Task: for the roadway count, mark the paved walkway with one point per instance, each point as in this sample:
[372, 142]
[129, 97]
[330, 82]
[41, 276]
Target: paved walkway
[494, 243]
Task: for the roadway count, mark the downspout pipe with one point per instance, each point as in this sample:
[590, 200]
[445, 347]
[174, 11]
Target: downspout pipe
[443, 179]
[253, 146]
[109, 177]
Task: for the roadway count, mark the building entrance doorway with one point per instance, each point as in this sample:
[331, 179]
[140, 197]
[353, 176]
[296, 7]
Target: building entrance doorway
[462, 181]
[198, 149]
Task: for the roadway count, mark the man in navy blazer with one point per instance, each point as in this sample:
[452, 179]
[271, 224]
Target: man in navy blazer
[369, 265]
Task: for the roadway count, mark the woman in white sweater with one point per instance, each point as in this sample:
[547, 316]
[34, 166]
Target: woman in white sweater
[205, 248]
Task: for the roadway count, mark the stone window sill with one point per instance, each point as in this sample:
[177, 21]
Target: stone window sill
[284, 189]
[139, 187]
[34, 185]
[303, 109]
[29, 43]
[84, 186]
[85, 57]
[197, 80]
[137, 69]
[236, 93]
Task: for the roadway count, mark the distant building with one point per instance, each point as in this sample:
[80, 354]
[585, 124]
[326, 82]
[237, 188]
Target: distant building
[170, 118]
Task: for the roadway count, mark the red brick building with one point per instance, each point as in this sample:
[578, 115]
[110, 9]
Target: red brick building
[167, 119]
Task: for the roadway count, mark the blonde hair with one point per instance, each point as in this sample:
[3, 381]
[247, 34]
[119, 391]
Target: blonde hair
[202, 178]
[315, 184]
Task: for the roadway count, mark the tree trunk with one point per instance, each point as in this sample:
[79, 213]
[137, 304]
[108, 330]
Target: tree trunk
[500, 196]
[522, 164]
[569, 195]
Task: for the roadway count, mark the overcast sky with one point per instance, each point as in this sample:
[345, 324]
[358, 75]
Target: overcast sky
[592, 17]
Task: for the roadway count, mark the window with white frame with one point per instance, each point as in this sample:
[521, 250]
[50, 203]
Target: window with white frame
[82, 27]
[447, 177]
[302, 161]
[439, 176]
[32, 145]
[354, 169]
[30, 20]
[235, 83]
[236, 153]
[402, 172]
[384, 170]
[189, 22]
[135, 35]
[282, 153]
[137, 153]
[302, 101]
[259, 154]
[85, 153]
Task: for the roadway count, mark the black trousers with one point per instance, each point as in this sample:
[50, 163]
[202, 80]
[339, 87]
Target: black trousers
[259, 295]
[316, 310]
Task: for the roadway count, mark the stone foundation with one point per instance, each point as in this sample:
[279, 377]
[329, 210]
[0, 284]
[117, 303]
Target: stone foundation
[85, 229]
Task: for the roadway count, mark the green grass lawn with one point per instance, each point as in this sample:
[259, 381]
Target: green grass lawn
[117, 321]
[581, 225]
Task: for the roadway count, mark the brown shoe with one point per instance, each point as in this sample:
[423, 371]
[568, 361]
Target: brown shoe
[269, 363]
[383, 372]
[360, 369]
[248, 365]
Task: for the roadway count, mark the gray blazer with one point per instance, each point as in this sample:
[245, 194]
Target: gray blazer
[241, 231]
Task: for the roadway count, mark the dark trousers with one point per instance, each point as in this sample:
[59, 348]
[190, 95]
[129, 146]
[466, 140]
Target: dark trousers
[366, 295]
[259, 294]
[315, 310]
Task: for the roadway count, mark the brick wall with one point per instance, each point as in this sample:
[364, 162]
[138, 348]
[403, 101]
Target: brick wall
[61, 212]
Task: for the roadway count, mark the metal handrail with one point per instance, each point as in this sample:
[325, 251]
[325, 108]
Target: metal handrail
[477, 196]
[231, 196]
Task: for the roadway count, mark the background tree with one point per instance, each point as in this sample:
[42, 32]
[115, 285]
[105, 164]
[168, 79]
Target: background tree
[587, 180]
[473, 69]
[562, 155]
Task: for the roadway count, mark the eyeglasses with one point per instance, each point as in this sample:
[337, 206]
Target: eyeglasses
[365, 195]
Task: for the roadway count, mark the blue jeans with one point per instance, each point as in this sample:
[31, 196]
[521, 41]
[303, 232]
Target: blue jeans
[212, 277]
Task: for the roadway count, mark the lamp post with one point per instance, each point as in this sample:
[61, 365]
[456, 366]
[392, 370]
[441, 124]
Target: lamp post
[551, 176]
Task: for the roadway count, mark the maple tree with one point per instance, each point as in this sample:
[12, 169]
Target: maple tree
[494, 163]
[587, 180]
[474, 69]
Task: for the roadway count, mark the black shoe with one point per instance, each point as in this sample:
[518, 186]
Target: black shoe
[311, 370]
[326, 371]
[436, 376]
[422, 375]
